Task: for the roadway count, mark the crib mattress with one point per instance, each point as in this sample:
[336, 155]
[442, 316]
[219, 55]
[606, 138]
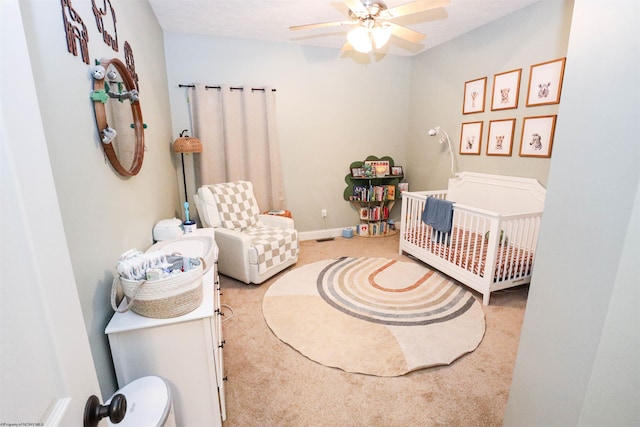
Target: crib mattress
[468, 250]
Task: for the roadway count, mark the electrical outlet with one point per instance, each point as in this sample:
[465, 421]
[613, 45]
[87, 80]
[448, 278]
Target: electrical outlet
[324, 213]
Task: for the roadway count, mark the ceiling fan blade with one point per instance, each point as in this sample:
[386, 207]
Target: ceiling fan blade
[356, 6]
[320, 25]
[346, 47]
[414, 7]
[405, 33]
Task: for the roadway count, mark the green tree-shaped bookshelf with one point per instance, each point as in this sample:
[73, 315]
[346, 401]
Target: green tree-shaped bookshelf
[373, 197]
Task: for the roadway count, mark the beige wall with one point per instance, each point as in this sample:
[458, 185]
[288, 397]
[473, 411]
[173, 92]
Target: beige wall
[104, 214]
[331, 111]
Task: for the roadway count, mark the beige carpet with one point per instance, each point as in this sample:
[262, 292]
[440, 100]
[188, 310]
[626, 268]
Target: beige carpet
[270, 384]
[373, 316]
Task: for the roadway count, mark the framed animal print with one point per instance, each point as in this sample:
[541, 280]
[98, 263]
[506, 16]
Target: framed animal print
[506, 89]
[474, 93]
[500, 139]
[537, 136]
[545, 83]
[471, 138]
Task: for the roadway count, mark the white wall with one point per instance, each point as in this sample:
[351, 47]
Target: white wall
[103, 213]
[533, 35]
[331, 111]
[579, 357]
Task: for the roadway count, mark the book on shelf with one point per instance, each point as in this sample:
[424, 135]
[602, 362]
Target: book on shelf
[373, 193]
[360, 193]
[378, 228]
[379, 192]
[374, 214]
[391, 192]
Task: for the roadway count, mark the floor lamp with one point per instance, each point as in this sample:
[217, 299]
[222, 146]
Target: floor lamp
[186, 144]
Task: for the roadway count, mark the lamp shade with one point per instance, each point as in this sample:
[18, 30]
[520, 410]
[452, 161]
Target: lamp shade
[381, 35]
[187, 144]
[360, 39]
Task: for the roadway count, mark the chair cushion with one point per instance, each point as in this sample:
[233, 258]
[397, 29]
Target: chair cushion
[237, 205]
[207, 207]
[272, 246]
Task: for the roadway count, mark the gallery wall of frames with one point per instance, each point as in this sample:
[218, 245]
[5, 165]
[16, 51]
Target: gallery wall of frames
[544, 88]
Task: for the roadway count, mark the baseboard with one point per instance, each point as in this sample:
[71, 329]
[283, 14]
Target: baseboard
[320, 234]
[328, 233]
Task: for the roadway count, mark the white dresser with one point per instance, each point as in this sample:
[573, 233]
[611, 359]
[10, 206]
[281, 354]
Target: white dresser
[186, 351]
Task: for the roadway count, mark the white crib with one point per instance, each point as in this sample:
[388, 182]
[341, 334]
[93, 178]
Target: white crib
[496, 220]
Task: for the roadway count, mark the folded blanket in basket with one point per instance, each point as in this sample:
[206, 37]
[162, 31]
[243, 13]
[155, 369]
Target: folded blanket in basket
[438, 213]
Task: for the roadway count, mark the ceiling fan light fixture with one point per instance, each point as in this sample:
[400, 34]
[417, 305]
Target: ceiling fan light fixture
[360, 39]
[381, 35]
[372, 22]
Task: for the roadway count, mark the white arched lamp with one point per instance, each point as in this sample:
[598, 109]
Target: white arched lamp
[445, 138]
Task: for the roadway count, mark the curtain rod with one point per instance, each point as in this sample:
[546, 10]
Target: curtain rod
[231, 88]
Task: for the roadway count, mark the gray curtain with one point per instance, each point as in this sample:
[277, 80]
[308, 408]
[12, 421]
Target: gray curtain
[237, 128]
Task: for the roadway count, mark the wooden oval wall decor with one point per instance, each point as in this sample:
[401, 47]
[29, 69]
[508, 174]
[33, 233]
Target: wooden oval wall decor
[122, 135]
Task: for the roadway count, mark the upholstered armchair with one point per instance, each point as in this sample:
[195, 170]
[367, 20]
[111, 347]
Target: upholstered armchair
[253, 247]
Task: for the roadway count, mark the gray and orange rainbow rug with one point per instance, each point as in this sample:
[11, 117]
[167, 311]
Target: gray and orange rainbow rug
[374, 316]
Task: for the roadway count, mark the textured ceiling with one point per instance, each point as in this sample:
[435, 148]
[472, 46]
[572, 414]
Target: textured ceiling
[269, 20]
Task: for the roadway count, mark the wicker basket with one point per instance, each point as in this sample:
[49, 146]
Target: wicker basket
[164, 298]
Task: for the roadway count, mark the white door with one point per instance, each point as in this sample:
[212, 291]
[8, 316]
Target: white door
[46, 369]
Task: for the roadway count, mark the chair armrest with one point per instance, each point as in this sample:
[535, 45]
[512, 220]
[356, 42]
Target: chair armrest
[277, 221]
[233, 258]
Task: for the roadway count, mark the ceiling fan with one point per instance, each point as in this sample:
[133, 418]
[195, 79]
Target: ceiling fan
[372, 21]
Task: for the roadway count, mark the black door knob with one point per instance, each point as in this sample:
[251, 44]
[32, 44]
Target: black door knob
[94, 411]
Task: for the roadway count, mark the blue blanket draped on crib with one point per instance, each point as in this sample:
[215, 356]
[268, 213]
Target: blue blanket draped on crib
[438, 214]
